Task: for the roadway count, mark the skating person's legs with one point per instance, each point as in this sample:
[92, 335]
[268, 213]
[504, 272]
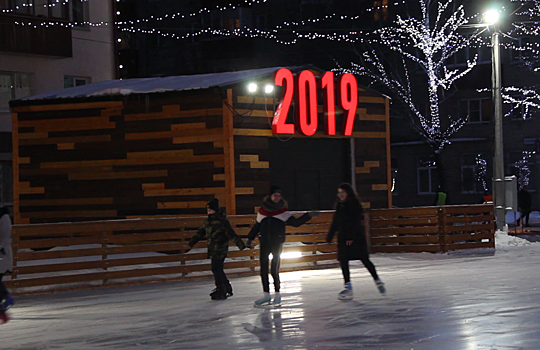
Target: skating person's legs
[263, 261]
[3, 290]
[371, 268]
[345, 270]
[347, 292]
[219, 278]
[276, 262]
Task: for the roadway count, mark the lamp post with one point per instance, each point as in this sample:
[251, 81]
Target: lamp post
[491, 18]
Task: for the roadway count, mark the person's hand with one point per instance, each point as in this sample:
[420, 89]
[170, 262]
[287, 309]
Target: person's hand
[350, 242]
[249, 244]
[314, 213]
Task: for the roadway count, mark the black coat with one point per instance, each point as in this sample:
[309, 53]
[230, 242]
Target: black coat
[272, 230]
[348, 223]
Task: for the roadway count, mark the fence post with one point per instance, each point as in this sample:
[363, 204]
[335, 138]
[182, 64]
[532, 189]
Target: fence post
[442, 228]
[15, 248]
[104, 257]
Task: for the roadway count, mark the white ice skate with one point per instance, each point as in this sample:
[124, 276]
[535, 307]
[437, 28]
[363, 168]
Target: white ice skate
[381, 287]
[346, 293]
[277, 300]
[265, 300]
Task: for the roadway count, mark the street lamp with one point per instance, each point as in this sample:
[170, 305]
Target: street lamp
[492, 18]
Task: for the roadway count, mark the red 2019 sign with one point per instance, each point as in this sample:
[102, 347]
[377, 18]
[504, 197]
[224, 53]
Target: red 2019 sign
[305, 92]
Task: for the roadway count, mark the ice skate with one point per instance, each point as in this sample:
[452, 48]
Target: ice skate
[346, 293]
[213, 291]
[265, 300]
[219, 294]
[8, 302]
[277, 300]
[228, 289]
[380, 286]
[3, 316]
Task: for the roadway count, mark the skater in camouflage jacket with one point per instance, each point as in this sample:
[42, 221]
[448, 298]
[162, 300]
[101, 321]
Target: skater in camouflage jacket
[218, 230]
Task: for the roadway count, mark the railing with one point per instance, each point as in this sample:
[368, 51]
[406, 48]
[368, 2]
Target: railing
[68, 256]
[432, 229]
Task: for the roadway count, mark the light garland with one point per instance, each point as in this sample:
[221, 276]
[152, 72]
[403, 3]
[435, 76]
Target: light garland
[523, 170]
[429, 45]
[481, 172]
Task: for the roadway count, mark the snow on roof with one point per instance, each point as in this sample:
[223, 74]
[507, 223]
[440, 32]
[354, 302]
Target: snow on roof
[160, 84]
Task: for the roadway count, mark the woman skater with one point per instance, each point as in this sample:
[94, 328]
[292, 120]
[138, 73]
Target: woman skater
[348, 222]
[271, 221]
[218, 230]
[6, 262]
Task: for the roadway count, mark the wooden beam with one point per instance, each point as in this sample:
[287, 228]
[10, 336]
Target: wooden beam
[388, 154]
[15, 141]
[119, 175]
[69, 106]
[185, 192]
[66, 201]
[228, 150]
[182, 205]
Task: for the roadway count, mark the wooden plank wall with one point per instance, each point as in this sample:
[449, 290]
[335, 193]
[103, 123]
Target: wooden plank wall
[142, 156]
[252, 129]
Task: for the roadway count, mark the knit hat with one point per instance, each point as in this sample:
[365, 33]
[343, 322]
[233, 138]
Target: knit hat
[275, 189]
[213, 204]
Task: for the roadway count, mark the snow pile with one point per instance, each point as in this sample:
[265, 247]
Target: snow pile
[503, 239]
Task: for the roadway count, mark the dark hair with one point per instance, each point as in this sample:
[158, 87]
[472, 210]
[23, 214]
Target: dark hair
[352, 196]
[269, 199]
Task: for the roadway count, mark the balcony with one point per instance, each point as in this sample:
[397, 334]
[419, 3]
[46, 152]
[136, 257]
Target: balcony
[53, 41]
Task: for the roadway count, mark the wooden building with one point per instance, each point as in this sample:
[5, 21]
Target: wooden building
[159, 147]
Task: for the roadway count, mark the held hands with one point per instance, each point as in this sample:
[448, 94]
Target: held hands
[249, 244]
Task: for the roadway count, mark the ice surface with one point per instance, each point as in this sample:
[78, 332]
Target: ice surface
[469, 300]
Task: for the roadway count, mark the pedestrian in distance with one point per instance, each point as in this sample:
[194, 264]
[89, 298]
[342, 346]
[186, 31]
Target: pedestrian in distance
[348, 224]
[218, 231]
[6, 263]
[524, 204]
[272, 219]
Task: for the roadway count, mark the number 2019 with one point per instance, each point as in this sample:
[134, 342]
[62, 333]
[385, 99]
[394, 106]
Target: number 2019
[306, 101]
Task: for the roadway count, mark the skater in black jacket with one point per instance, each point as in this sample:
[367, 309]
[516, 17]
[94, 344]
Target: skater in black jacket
[218, 231]
[348, 223]
[6, 262]
[271, 225]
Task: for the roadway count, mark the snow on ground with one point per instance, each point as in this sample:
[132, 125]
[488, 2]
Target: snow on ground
[470, 300]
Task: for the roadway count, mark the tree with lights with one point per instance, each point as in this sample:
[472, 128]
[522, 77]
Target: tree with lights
[425, 44]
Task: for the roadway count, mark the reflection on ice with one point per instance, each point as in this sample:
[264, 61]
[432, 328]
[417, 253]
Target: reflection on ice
[434, 302]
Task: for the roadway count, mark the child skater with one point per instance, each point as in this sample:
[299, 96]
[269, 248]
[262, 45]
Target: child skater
[348, 223]
[6, 262]
[271, 221]
[218, 230]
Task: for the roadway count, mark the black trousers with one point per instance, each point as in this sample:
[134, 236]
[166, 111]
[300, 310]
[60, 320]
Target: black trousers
[3, 290]
[367, 263]
[265, 250]
[219, 275]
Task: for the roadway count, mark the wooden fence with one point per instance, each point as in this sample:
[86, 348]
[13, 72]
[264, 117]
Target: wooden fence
[68, 256]
[432, 229]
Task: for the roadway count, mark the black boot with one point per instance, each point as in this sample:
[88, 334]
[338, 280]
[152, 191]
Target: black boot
[213, 291]
[220, 293]
[228, 289]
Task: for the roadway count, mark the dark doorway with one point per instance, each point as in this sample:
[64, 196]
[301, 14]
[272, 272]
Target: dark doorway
[310, 170]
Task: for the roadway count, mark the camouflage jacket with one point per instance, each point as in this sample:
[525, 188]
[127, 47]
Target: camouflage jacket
[218, 230]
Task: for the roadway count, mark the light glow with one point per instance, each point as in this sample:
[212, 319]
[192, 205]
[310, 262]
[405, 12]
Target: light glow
[252, 87]
[492, 16]
[268, 89]
[287, 255]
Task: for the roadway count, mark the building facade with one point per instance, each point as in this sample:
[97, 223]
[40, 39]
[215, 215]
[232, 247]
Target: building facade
[47, 45]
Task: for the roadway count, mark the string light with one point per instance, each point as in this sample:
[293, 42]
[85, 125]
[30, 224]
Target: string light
[481, 171]
[429, 45]
[522, 169]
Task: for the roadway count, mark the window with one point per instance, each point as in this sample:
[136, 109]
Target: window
[477, 110]
[40, 8]
[13, 86]
[468, 53]
[75, 81]
[380, 10]
[6, 181]
[428, 182]
[469, 174]
[79, 11]
[23, 7]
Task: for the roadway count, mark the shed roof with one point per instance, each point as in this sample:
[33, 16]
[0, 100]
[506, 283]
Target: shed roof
[160, 84]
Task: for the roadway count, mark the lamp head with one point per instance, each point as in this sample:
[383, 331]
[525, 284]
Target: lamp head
[492, 16]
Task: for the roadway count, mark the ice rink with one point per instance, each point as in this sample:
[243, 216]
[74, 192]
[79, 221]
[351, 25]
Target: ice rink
[461, 301]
